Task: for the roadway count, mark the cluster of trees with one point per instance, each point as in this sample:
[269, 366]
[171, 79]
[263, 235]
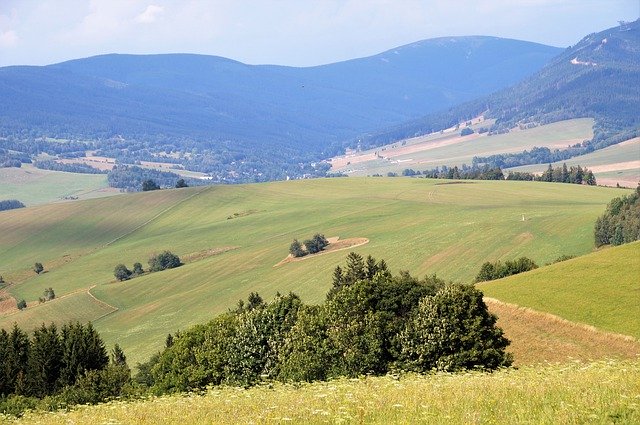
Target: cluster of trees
[574, 175]
[48, 295]
[498, 270]
[64, 367]
[163, 261]
[133, 179]
[620, 222]
[462, 173]
[372, 322]
[310, 246]
[10, 204]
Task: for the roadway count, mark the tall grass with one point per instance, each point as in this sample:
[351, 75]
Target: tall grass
[601, 392]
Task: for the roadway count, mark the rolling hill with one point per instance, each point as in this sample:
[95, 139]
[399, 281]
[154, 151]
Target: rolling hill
[216, 115]
[232, 237]
[599, 77]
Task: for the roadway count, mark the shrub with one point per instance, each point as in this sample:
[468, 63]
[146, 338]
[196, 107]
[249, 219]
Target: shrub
[121, 272]
[38, 268]
[296, 249]
[137, 269]
[22, 304]
[164, 260]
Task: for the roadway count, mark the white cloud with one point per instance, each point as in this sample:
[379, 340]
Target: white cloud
[8, 39]
[150, 14]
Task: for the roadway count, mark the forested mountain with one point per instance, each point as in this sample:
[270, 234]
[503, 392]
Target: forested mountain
[599, 77]
[264, 114]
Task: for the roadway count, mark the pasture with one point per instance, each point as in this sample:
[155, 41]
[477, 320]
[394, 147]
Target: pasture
[601, 392]
[418, 225]
[449, 148]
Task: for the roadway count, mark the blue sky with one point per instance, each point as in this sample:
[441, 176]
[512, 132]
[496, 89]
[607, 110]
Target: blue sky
[284, 32]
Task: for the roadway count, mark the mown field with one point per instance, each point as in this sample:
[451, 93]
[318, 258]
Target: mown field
[449, 149]
[418, 225]
[33, 186]
[602, 392]
[601, 289]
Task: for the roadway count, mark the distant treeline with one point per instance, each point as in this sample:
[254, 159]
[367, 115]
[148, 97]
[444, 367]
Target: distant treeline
[563, 174]
[10, 204]
[132, 177]
[69, 168]
[621, 221]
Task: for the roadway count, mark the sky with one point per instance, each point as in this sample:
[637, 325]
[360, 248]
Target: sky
[284, 32]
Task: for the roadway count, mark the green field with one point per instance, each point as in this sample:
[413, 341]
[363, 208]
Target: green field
[419, 225]
[557, 135]
[577, 393]
[33, 186]
[601, 289]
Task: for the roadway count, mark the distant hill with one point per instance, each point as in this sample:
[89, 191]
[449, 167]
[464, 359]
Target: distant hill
[262, 113]
[599, 77]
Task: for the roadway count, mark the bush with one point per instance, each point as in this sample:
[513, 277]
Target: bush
[148, 185]
[38, 268]
[137, 269]
[22, 304]
[316, 244]
[466, 131]
[121, 272]
[163, 261]
[498, 270]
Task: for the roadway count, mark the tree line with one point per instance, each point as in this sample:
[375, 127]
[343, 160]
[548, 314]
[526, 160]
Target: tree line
[10, 204]
[163, 261]
[372, 322]
[620, 222]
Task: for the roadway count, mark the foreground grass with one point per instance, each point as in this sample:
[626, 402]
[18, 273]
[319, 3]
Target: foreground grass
[601, 392]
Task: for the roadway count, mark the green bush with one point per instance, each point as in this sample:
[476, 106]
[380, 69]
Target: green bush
[164, 260]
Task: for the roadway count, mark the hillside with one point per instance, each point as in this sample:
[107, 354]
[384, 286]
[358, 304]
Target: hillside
[231, 237]
[601, 289]
[599, 77]
[249, 119]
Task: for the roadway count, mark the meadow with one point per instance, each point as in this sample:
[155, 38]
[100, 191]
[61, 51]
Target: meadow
[418, 225]
[33, 186]
[448, 148]
[601, 392]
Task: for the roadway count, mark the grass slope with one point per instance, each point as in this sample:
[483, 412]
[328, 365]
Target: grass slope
[450, 149]
[603, 392]
[33, 186]
[414, 224]
[600, 289]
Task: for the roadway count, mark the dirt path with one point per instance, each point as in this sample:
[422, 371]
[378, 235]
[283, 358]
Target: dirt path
[335, 244]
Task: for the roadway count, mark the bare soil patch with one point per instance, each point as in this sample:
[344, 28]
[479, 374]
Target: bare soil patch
[335, 244]
[538, 337]
[618, 166]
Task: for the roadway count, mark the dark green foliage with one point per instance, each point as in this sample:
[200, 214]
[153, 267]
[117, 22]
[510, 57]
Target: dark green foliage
[453, 330]
[48, 294]
[82, 351]
[466, 131]
[164, 260]
[498, 270]
[296, 249]
[620, 223]
[465, 172]
[44, 362]
[10, 204]
[137, 269]
[38, 268]
[68, 168]
[121, 272]
[22, 304]
[181, 183]
[14, 362]
[149, 184]
[316, 244]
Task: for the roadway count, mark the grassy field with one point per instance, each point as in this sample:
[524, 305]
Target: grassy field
[601, 393]
[615, 164]
[450, 149]
[600, 289]
[33, 186]
[419, 225]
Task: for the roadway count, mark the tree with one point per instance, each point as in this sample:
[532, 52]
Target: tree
[466, 131]
[148, 185]
[181, 183]
[590, 179]
[45, 361]
[137, 269]
[453, 330]
[49, 294]
[22, 304]
[164, 260]
[121, 272]
[38, 268]
[296, 249]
